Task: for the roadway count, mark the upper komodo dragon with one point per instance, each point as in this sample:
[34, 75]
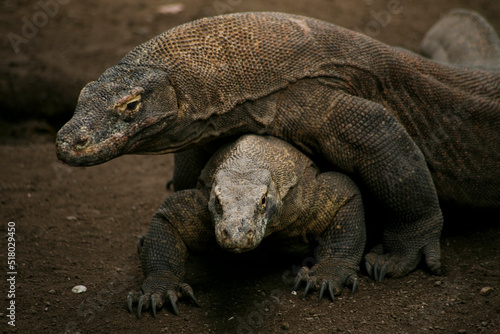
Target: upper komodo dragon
[253, 188]
[406, 128]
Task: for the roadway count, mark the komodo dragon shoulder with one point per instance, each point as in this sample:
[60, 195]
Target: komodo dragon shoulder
[249, 190]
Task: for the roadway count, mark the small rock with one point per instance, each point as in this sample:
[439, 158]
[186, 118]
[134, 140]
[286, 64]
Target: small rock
[462, 331]
[285, 325]
[79, 289]
[438, 283]
[71, 218]
[52, 291]
[487, 290]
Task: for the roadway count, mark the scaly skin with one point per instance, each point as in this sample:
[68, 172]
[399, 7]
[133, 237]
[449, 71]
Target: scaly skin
[252, 189]
[406, 128]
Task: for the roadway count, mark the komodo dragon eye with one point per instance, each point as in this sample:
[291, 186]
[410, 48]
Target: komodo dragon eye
[129, 104]
[132, 105]
[263, 200]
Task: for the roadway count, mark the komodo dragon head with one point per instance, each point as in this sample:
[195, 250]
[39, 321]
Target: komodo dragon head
[115, 114]
[244, 207]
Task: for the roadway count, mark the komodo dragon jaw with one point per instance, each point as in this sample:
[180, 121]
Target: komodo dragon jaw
[112, 121]
[243, 208]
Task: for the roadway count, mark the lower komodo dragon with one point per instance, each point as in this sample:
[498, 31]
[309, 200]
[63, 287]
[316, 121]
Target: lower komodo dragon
[407, 129]
[253, 188]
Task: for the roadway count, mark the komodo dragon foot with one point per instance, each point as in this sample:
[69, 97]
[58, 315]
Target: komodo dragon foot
[156, 290]
[400, 255]
[327, 275]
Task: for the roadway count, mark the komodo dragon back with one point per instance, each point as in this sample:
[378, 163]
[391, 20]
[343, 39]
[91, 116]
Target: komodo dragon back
[225, 60]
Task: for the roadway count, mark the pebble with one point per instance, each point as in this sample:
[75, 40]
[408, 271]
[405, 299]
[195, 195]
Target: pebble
[486, 291]
[79, 289]
[71, 218]
[462, 331]
[285, 325]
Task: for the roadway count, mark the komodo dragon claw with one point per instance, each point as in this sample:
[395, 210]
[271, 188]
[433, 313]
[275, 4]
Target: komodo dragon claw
[376, 272]
[312, 277]
[156, 300]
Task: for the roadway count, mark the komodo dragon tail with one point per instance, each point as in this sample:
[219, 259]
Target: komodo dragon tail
[465, 38]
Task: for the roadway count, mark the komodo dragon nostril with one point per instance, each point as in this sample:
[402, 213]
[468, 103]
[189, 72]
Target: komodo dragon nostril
[82, 143]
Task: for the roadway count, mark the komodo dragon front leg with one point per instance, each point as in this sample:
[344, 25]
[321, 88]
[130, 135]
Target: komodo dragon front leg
[179, 225]
[188, 166]
[363, 138]
[335, 218]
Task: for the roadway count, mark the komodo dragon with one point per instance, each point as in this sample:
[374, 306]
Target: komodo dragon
[255, 188]
[406, 128]
[465, 38]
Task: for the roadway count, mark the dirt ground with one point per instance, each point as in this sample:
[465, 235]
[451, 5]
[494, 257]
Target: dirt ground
[80, 225]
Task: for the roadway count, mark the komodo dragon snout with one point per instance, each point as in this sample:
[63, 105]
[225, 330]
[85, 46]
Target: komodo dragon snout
[243, 207]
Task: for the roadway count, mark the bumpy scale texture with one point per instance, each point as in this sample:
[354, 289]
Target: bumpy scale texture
[406, 128]
[255, 188]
